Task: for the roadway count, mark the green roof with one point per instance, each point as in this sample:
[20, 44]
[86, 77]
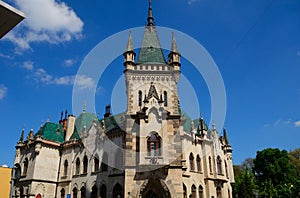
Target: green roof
[85, 119]
[151, 52]
[114, 122]
[75, 135]
[52, 131]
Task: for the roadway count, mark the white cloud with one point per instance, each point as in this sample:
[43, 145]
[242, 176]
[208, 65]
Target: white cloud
[279, 122]
[192, 1]
[298, 53]
[28, 65]
[84, 82]
[69, 62]
[297, 123]
[3, 91]
[46, 21]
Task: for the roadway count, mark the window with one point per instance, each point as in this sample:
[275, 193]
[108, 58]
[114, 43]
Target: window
[209, 164]
[65, 168]
[117, 191]
[94, 191]
[96, 164]
[165, 98]
[200, 190]
[193, 191]
[226, 169]
[229, 195]
[103, 191]
[198, 159]
[77, 168]
[62, 193]
[82, 192]
[85, 164]
[104, 162]
[140, 98]
[25, 163]
[219, 165]
[192, 165]
[22, 191]
[154, 145]
[219, 193]
[75, 191]
[184, 191]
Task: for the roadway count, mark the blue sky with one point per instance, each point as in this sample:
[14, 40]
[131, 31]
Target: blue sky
[255, 44]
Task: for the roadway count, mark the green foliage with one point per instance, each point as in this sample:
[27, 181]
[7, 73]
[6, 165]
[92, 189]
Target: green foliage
[245, 184]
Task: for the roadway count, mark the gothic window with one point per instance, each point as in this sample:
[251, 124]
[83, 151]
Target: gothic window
[184, 191]
[25, 163]
[226, 169]
[82, 192]
[104, 162]
[75, 191]
[117, 191]
[219, 165]
[154, 145]
[103, 191]
[22, 191]
[165, 98]
[229, 193]
[192, 163]
[193, 191]
[96, 164]
[209, 164]
[94, 191]
[198, 159]
[140, 98]
[77, 166]
[62, 193]
[85, 164]
[65, 168]
[200, 190]
[219, 193]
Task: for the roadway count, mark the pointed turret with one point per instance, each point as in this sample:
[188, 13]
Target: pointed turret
[150, 18]
[174, 55]
[225, 137]
[22, 136]
[129, 54]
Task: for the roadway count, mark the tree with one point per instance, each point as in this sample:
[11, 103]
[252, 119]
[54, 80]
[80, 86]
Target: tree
[274, 173]
[244, 186]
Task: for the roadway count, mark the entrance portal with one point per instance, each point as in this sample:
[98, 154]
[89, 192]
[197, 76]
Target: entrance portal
[155, 189]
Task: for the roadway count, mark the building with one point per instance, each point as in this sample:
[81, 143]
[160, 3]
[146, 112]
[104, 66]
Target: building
[152, 150]
[5, 176]
[9, 18]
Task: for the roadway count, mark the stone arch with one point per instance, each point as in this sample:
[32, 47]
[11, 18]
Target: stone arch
[154, 188]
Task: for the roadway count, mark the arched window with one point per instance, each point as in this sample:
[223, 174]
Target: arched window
[104, 162]
[62, 193]
[103, 191]
[82, 192]
[229, 195]
[140, 98]
[85, 164]
[119, 159]
[96, 164]
[184, 191]
[219, 165]
[94, 191]
[22, 191]
[226, 169]
[165, 98]
[199, 168]
[219, 193]
[75, 191]
[117, 191]
[209, 164]
[65, 168]
[25, 165]
[77, 166]
[192, 163]
[154, 145]
[200, 190]
[193, 191]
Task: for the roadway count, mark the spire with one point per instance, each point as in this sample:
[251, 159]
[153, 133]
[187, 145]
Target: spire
[22, 136]
[129, 46]
[150, 18]
[174, 45]
[84, 106]
[225, 137]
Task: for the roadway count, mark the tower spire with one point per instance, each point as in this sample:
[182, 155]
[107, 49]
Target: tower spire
[174, 45]
[150, 18]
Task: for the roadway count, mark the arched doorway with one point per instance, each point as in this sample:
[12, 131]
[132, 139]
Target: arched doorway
[155, 189]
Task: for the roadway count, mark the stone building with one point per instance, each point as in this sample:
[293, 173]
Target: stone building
[152, 150]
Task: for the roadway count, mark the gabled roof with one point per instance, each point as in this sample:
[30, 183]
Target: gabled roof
[52, 131]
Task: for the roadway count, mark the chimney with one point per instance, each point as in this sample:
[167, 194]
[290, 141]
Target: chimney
[107, 111]
[70, 127]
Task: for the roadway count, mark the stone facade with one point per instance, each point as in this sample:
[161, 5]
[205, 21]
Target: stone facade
[152, 150]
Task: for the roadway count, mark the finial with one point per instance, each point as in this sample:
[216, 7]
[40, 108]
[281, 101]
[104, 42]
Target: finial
[84, 106]
[213, 125]
[22, 135]
[48, 119]
[66, 114]
[201, 117]
[150, 16]
[174, 45]
[61, 115]
[129, 46]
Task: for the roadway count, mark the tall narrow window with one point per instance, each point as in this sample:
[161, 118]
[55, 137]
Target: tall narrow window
[82, 192]
[140, 98]
[96, 164]
[219, 165]
[104, 162]
[193, 191]
[85, 164]
[192, 163]
[77, 168]
[198, 159]
[209, 164]
[25, 169]
[117, 191]
[66, 168]
[165, 98]
[103, 191]
[94, 191]
[184, 191]
[154, 145]
[226, 169]
[62, 193]
[75, 191]
[200, 190]
[219, 193]
[229, 195]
